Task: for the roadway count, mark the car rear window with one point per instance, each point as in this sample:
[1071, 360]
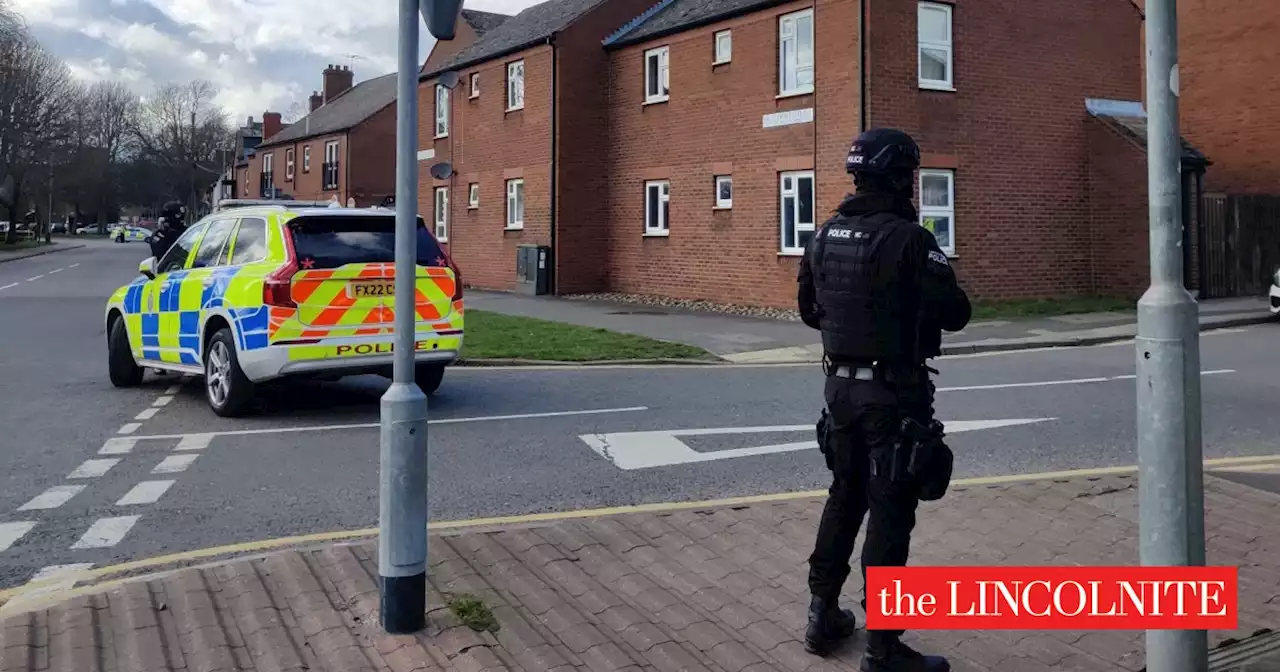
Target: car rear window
[331, 241]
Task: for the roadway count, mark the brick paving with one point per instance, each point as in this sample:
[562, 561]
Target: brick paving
[716, 589]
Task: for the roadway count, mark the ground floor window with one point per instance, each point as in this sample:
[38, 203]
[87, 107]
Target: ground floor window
[657, 207]
[797, 215]
[938, 206]
[442, 214]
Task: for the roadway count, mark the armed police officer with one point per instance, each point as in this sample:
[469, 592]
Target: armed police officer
[170, 227]
[880, 289]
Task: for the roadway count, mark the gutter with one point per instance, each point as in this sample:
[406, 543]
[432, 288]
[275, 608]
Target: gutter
[555, 126]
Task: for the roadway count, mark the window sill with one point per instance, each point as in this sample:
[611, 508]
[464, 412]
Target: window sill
[655, 101]
[439, 137]
[514, 228]
[796, 253]
[936, 86]
[715, 63]
[656, 234]
[717, 208]
[513, 109]
[793, 94]
[473, 96]
[473, 207]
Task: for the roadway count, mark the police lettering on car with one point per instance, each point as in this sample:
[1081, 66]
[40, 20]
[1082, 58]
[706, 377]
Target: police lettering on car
[880, 290]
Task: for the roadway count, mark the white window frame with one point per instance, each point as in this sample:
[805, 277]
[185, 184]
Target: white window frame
[442, 214]
[268, 163]
[515, 203]
[288, 164]
[718, 56]
[724, 203]
[794, 194]
[306, 159]
[473, 195]
[442, 112]
[947, 84]
[331, 151]
[656, 223]
[787, 34]
[515, 85]
[473, 84]
[939, 211]
[659, 57]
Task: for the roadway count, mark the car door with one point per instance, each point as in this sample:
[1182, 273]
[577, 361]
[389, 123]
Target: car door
[160, 300]
[199, 287]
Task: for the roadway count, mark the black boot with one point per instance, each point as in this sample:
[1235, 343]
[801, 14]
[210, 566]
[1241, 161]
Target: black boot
[898, 657]
[828, 624]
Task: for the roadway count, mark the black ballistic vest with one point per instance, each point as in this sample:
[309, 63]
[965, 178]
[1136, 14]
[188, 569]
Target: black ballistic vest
[864, 316]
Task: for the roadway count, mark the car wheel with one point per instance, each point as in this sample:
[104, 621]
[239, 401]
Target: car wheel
[428, 377]
[226, 387]
[121, 367]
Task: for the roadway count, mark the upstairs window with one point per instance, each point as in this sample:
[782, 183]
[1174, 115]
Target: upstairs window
[442, 214]
[723, 48]
[442, 111]
[656, 83]
[515, 86]
[475, 85]
[934, 48]
[306, 159]
[795, 53]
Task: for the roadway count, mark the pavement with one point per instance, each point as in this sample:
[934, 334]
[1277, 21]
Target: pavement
[686, 588]
[59, 245]
[751, 340]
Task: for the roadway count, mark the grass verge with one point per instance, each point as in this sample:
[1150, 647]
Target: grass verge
[992, 310]
[22, 245]
[497, 336]
[473, 613]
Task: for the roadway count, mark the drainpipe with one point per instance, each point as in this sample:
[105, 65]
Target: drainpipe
[864, 106]
[555, 125]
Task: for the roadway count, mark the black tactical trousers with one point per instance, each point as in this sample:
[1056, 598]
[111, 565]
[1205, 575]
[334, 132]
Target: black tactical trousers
[865, 417]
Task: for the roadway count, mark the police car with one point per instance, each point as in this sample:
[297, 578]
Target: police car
[260, 290]
[125, 234]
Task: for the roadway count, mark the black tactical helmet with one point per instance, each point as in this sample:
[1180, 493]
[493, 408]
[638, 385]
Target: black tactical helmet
[880, 151]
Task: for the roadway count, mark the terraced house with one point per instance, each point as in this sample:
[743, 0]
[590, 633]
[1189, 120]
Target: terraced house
[690, 148]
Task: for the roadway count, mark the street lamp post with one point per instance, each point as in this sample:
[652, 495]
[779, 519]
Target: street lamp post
[1171, 476]
[402, 487]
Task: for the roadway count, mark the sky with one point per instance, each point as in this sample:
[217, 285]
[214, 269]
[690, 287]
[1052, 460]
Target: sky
[263, 55]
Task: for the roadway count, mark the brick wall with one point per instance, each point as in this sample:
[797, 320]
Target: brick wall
[488, 145]
[1014, 128]
[1117, 224]
[306, 185]
[373, 158]
[1229, 72]
[441, 51]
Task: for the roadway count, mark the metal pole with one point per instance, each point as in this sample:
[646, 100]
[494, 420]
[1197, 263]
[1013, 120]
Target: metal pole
[1171, 497]
[402, 519]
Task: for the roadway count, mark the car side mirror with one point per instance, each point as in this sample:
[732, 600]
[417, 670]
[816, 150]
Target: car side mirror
[148, 268]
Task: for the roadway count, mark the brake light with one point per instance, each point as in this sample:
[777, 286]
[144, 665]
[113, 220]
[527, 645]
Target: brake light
[277, 287]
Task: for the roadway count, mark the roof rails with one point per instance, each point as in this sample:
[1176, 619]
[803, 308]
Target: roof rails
[276, 202]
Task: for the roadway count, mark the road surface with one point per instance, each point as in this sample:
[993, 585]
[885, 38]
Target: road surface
[94, 475]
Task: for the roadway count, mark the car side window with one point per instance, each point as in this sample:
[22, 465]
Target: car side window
[251, 242]
[176, 257]
[212, 243]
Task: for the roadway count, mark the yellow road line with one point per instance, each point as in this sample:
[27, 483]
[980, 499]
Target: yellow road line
[346, 535]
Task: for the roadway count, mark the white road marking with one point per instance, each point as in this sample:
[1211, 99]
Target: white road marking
[644, 450]
[58, 571]
[10, 533]
[194, 442]
[73, 265]
[118, 446]
[129, 428]
[94, 468]
[374, 425]
[173, 389]
[56, 270]
[146, 492]
[105, 532]
[35, 278]
[174, 464]
[12, 284]
[1069, 381]
[52, 498]
[147, 413]
[163, 401]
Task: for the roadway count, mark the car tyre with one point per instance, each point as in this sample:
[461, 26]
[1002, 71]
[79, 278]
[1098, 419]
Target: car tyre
[121, 367]
[227, 389]
[428, 377]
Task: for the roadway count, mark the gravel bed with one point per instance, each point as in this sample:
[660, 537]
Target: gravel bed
[690, 304]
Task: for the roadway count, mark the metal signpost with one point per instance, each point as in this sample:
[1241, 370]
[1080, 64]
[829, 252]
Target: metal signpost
[402, 486]
[1171, 493]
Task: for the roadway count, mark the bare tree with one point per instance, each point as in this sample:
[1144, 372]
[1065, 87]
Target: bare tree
[295, 113]
[37, 96]
[181, 130]
[113, 111]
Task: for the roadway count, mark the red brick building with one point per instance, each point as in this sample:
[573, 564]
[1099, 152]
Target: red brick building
[694, 149]
[344, 148]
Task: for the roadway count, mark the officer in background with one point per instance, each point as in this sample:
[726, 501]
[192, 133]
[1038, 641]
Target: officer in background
[880, 289]
[171, 226]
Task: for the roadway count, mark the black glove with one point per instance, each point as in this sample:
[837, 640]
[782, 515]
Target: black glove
[824, 438]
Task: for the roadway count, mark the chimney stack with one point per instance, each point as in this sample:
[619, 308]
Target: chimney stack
[337, 79]
[271, 124]
[316, 101]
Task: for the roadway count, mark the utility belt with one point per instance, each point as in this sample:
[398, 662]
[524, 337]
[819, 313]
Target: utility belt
[896, 373]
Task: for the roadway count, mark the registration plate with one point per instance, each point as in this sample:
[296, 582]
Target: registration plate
[371, 288]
